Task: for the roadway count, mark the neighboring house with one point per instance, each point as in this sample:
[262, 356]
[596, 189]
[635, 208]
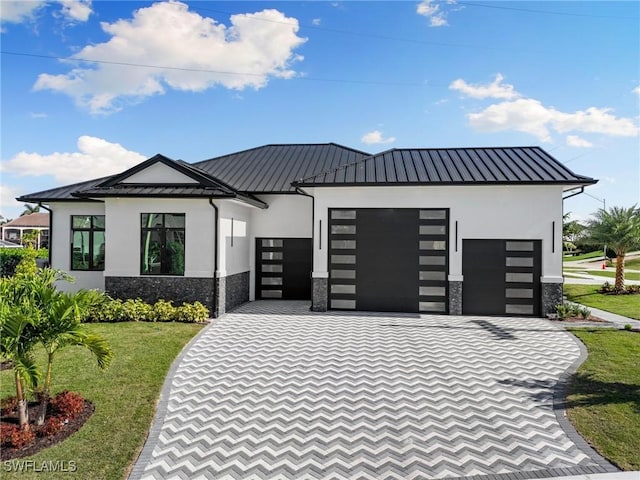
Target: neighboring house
[465, 230]
[14, 230]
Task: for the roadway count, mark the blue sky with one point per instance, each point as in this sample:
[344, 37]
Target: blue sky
[91, 88]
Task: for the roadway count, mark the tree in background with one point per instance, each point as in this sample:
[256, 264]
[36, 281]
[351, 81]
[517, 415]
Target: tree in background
[29, 209]
[619, 229]
[572, 232]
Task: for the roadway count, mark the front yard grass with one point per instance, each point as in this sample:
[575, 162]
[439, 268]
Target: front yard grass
[605, 273]
[583, 256]
[124, 396]
[626, 305]
[603, 401]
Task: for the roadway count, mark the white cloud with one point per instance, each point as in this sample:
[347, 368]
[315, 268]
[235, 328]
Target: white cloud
[495, 89]
[24, 10]
[78, 10]
[376, 137]
[316, 21]
[95, 158]
[636, 90]
[531, 116]
[38, 115]
[18, 11]
[431, 10]
[576, 141]
[8, 202]
[191, 53]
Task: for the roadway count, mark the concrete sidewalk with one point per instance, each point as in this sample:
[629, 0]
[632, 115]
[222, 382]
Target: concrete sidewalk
[600, 476]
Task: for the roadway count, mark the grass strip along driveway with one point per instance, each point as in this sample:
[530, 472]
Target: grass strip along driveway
[124, 396]
[626, 305]
[603, 401]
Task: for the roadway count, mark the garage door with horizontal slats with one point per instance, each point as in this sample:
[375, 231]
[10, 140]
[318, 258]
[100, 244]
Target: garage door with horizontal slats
[283, 268]
[501, 277]
[388, 259]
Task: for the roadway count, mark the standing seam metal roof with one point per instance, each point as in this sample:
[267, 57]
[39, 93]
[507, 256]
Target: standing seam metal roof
[451, 166]
[272, 168]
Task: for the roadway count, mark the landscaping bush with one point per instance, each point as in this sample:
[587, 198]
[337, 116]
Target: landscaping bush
[11, 436]
[67, 404]
[565, 310]
[136, 310]
[11, 257]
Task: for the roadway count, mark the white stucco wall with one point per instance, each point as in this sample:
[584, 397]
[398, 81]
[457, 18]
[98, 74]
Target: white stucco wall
[288, 216]
[61, 243]
[234, 255]
[159, 173]
[123, 234]
[482, 212]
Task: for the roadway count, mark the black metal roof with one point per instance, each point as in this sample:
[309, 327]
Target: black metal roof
[280, 168]
[505, 165]
[272, 168]
[60, 194]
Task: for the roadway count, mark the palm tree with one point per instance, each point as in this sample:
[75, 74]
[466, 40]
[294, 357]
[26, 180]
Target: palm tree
[60, 326]
[29, 209]
[18, 312]
[619, 229]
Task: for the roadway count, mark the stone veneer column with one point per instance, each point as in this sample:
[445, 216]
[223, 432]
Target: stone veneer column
[319, 294]
[455, 297]
[551, 296]
[221, 297]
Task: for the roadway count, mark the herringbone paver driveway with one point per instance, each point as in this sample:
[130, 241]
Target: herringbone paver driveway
[273, 391]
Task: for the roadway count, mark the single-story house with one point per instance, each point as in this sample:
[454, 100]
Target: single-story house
[14, 231]
[449, 231]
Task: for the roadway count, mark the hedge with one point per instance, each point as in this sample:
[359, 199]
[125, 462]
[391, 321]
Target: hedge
[11, 257]
[136, 310]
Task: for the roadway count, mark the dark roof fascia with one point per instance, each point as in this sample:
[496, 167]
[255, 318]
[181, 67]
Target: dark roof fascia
[197, 175]
[587, 181]
[55, 200]
[246, 198]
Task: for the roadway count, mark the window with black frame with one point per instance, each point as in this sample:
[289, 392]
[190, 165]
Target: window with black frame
[87, 242]
[162, 243]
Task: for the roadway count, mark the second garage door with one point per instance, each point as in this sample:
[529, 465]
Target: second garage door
[501, 277]
[391, 259]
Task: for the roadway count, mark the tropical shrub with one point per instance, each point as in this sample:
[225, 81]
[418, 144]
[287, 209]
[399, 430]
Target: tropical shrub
[67, 404]
[12, 436]
[136, 310]
[192, 312]
[11, 257]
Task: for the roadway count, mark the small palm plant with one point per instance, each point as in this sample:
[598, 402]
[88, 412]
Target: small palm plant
[18, 312]
[33, 311]
[60, 326]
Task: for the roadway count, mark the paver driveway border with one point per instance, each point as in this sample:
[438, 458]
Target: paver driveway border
[592, 463]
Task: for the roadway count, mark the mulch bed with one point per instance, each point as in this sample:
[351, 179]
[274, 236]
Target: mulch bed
[591, 319]
[40, 443]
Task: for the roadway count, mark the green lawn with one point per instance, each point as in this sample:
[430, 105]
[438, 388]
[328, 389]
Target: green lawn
[125, 396]
[627, 305]
[633, 264]
[603, 401]
[608, 274]
[584, 256]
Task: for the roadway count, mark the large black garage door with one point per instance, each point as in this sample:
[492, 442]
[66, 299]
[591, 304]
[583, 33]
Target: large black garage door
[283, 268]
[501, 277]
[388, 259]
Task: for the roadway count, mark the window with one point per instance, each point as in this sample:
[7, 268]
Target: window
[162, 244]
[87, 242]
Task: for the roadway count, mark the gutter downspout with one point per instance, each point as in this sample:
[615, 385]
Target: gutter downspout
[50, 246]
[313, 225]
[215, 256]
